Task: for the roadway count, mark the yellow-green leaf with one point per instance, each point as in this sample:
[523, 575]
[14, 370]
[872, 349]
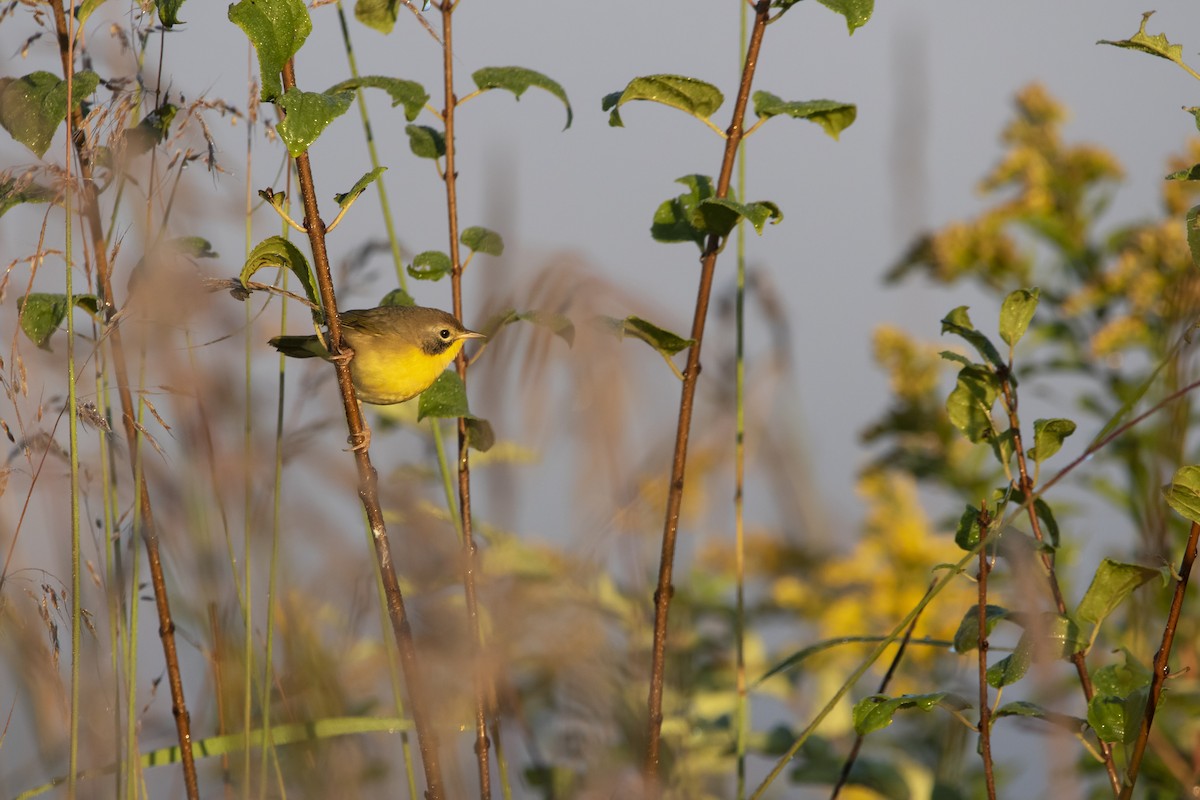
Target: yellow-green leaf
[519, 79]
[1183, 494]
[693, 96]
[277, 29]
[833, 116]
[277, 252]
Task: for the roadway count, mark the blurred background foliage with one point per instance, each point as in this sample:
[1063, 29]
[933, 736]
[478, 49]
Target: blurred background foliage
[568, 621]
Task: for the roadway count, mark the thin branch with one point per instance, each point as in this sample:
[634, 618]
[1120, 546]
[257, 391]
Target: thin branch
[883, 685]
[1162, 669]
[985, 708]
[148, 530]
[470, 557]
[664, 590]
[368, 481]
[1026, 484]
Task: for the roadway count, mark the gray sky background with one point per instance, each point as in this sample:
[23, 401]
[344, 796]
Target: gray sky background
[933, 82]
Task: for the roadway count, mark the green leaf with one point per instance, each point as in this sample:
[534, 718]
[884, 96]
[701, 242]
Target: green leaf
[15, 191]
[558, 324]
[1058, 636]
[1024, 708]
[967, 534]
[426, 142]
[446, 397]
[1156, 45]
[84, 10]
[696, 97]
[307, 114]
[1048, 436]
[1020, 708]
[959, 322]
[1195, 112]
[278, 253]
[1121, 679]
[662, 340]
[1016, 313]
[168, 12]
[969, 405]
[1183, 494]
[1004, 445]
[966, 638]
[397, 297]
[431, 265]
[675, 219]
[720, 214]
[480, 435]
[957, 358]
[34, 105]
[856, 12]
[359, 187]
[1012, 667]
[1193, 234]
[1192, 173]
[517, 80]
[1113, 582]
[277, 29]
[833, 116]
[1115, 718]
[42, 313]
[876, 711]
[482, 240]
[377, 14]
[409, 94]
[152, 130]
[1046, 515]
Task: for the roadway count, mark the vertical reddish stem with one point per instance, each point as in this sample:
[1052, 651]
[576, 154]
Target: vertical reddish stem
[708, 261]
[1162, 660]
[149, 532]
[368, 488]
[470, 559]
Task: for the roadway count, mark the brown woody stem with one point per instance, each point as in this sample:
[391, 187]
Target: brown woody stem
[708, 262]
[368, 481]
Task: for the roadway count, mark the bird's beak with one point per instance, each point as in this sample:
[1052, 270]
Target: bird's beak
[472, 335]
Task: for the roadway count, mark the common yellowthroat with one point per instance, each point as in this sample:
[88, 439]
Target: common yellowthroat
[398, 350]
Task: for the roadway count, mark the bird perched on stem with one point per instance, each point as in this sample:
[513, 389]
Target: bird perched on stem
[397, 351]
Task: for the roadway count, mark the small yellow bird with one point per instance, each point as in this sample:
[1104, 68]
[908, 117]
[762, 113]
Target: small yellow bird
[398, 350]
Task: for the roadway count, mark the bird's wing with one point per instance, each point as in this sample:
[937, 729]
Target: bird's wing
[372, 321]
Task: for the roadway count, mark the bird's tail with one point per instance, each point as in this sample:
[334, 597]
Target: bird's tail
[299, 346]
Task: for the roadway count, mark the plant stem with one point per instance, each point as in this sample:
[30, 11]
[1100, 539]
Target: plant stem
[985, 708]
[1162, 668]
[1026, 485]
[883, 685]
[73, 436]
[368, 480]
[166, 626]
[380, 188]
[708, 260]
[742, 709]
[470, 557]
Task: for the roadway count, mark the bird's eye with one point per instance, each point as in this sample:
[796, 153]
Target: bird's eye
[444, 333]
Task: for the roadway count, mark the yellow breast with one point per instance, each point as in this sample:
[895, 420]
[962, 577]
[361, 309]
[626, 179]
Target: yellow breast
[385, 373]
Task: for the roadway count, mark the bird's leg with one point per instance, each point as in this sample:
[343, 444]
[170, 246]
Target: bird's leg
[360, 441]
[357, 441]
[343, 358]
